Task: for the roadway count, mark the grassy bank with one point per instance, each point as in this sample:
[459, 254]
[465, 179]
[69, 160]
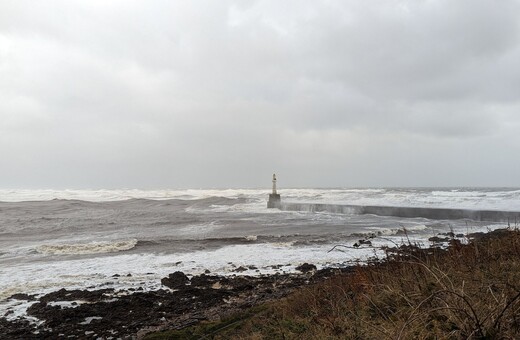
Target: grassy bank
[466, 291]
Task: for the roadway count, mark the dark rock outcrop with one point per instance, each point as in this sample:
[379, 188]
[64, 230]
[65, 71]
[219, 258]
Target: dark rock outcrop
[107, 313]
[306, 267]
[175, 280]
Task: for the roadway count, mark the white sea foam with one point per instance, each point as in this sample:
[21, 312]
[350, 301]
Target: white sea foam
[102, 195]
[378, 231]
[66, 304]
[149, 268]
[86, 248]
[89, 319]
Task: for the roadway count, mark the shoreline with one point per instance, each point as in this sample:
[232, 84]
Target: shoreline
[182, 302]
[111, 314]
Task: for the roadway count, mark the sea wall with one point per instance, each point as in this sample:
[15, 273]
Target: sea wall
[432, 213]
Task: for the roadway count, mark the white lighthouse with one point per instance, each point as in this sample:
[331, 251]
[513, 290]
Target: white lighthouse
[274, 197]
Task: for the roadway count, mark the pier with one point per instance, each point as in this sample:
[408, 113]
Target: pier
[512, 217]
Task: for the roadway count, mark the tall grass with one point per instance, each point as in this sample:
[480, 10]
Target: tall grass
[464, 292]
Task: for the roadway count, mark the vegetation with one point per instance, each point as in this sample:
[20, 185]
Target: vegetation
[466, 291]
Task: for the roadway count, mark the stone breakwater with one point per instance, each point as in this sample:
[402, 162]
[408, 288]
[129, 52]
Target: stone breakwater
[408, 212]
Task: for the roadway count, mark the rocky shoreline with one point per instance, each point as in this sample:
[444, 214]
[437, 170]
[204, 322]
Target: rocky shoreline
[133, 313]
[182, 301]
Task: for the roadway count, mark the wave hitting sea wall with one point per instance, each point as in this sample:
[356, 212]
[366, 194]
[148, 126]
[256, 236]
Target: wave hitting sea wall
[408, 212]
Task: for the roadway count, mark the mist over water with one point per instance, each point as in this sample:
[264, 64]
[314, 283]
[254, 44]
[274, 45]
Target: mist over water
[80, 239]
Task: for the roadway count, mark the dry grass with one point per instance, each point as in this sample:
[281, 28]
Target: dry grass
[468, 291]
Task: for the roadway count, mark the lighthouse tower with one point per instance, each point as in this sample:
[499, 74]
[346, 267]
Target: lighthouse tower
[274, 198]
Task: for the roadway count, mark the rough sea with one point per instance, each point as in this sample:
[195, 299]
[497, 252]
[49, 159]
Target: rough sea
[91, 239]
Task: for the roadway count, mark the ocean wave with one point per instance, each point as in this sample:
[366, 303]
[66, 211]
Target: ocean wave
[380, 231]
[103, 195]
[86, 248]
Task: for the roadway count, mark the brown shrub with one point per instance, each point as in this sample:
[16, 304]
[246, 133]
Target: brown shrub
[466, 291]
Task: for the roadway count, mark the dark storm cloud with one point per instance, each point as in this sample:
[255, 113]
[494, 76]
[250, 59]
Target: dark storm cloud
[222, 93]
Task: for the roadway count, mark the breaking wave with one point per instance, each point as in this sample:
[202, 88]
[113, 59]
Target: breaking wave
[86, 248]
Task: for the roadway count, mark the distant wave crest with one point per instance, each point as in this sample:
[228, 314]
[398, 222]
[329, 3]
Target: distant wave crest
[86, 248]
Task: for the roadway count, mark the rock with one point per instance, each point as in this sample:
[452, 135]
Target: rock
[306, 267]
[115, 315]
[22, 297]
[437, 239]
[240, 269]
[72, 295]
[175, 280]
[205, 281]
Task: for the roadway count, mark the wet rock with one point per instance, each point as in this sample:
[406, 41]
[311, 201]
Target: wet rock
[111, 314]
[437, 239]
[203, 281]
[240, 269]
[71, 295]
[175, 280]
[16, 329]
[22, 297]
[306, 267]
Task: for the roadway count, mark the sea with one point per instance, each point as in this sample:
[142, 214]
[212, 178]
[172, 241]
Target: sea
[122, 239]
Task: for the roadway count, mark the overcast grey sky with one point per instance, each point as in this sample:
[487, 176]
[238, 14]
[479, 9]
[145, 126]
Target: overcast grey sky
[196, 94]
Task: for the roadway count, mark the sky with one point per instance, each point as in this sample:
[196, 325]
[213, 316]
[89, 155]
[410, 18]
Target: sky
[221, 94]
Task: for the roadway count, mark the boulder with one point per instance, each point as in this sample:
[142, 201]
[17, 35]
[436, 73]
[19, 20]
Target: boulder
[306, 267]
[175, 280]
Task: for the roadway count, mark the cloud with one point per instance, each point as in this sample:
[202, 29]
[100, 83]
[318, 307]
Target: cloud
[182, 94]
